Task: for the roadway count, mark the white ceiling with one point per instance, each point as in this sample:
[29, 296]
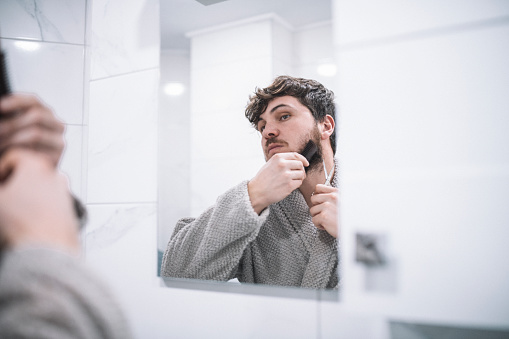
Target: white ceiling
[181, 16]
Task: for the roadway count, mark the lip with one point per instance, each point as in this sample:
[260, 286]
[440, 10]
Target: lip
[273, 147]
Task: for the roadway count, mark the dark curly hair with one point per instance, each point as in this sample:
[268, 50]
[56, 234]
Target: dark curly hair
[310, 93]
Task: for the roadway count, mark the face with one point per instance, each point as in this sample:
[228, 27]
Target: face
[286, 126]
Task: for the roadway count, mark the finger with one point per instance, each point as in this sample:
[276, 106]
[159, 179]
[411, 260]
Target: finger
[324, 189]
[17, 102]
[35, 138]
[299, 157]
[318, 221]
[15, 159]
[295, 165]
[50, 144]
[315, 210]
[8, 163]
[296, 175]
[35, 116]
[324, 198]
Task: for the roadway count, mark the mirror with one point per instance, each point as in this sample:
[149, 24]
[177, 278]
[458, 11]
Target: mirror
[213, 57]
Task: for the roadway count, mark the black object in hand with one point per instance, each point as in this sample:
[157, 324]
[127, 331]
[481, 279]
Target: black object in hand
[5, 88]
[309, 150]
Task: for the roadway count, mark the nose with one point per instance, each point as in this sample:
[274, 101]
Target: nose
[270, 131]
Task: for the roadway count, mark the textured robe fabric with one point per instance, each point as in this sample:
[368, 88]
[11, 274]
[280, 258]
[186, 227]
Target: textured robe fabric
[281, 246]
[45, 293]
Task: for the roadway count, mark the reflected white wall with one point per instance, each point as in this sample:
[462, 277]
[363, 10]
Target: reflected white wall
[174, 146]
[215, 139]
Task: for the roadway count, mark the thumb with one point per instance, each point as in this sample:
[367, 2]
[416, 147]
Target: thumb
[8, 162]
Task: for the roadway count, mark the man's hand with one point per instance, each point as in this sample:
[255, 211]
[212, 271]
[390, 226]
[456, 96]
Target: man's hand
[279, 177]
[35, 203]
[325, 209]
[26, 122]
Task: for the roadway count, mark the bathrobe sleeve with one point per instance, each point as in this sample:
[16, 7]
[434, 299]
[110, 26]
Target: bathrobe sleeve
[46, 293]
[211, 246]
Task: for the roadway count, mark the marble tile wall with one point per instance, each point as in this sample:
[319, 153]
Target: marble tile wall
[121, 171]
[46, 56]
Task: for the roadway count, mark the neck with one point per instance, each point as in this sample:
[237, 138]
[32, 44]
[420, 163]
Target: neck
[315, 177]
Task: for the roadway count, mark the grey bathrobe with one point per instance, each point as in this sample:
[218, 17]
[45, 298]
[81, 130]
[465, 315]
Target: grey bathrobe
[45, 293]
[281, 246]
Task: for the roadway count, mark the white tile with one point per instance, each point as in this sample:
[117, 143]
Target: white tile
[248, 41]
[227, 86]
[211, 178]
[124, 37]
[51, 21]
[120, 242]
[225, 135]
[122, 156]
[313, 44]
[337, 322]
[427, 103]
[282, 68]
[174, 191]
[282, 43]
[222, 315]
[425, 159]
[368, 19]
[71, 163]
[52, 71]
[175, 66]
[311, 71]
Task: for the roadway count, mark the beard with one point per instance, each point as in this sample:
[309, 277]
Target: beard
[316, 160]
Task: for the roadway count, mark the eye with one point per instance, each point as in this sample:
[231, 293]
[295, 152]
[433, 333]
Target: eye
[285, 117]
[261, 128]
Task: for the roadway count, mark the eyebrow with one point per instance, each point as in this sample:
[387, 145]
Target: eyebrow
[279, 106]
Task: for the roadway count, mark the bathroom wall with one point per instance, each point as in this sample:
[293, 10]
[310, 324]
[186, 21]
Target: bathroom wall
[424, 151]
[96, 63]
[423, 93]
[45, 47]
[121, 172]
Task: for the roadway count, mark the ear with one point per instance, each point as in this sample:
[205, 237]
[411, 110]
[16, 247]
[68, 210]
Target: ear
[327, 127]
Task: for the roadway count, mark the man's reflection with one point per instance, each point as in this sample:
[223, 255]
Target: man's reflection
[280, 227]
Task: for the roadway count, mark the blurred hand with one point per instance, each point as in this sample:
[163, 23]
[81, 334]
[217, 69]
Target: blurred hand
[35, 203]
[280, 176]
[26, 122]
[324, 211]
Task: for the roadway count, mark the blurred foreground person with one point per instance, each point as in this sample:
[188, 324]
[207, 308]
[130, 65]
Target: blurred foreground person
[45, 289]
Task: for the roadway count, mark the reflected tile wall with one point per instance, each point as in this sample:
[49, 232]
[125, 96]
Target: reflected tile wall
[125, 37]
[122, 145]
[224, 145]
[52, 21]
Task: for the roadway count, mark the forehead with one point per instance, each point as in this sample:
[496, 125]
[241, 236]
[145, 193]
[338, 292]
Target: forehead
[287, 102]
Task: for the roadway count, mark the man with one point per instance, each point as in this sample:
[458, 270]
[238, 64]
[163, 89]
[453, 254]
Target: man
[45, 290]
[279, 228]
